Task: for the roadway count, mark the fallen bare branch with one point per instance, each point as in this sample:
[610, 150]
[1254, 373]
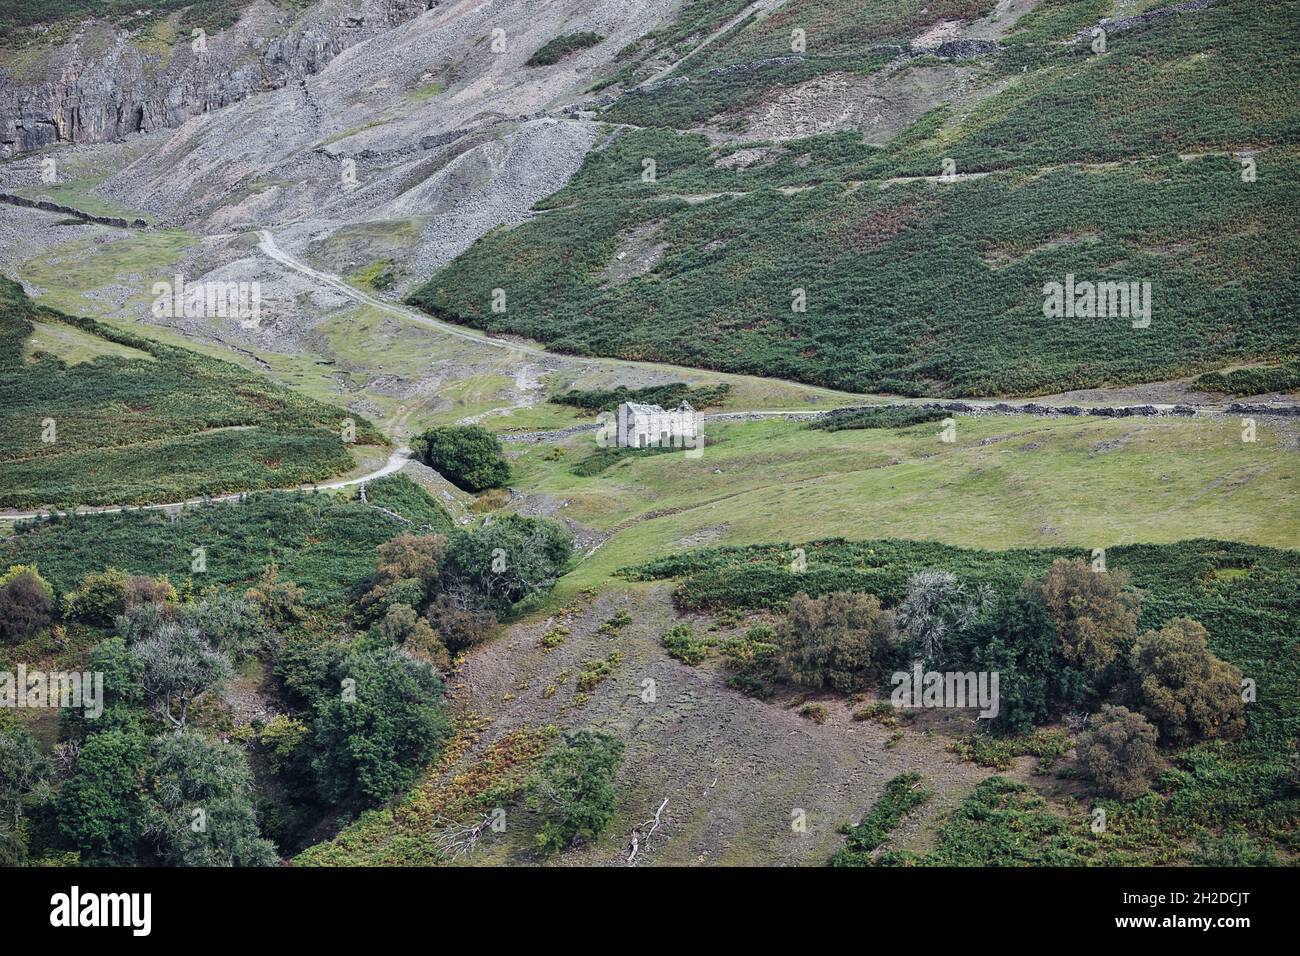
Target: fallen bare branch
[636, 831]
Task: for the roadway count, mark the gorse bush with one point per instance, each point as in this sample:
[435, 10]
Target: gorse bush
[26, 603]
[508, 559]
[1095, 616]
[1118, 752]
[680, 643]
[841, 641]
[1184, 689]
[375, 737]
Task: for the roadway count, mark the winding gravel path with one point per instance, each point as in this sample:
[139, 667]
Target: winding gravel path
[396, 461]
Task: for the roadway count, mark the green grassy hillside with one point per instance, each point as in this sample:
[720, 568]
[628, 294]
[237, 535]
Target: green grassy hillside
[159, 424]
[1110, 167]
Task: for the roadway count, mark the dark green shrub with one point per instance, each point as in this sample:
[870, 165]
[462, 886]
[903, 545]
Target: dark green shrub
[902, 795]
[468, 456]
[890, 416]
[507, 559]
[375, 733]
[574, 789]
[556, 49]
[680, 643]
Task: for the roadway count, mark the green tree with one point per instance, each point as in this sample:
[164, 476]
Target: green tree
[123, 693]
[309, 668]
[1183, 688]
[1095, 617]
[99, 809]
[179, 668]
[574, 790]
[100, 599]
[511, 558]
[468, 456]
[381, 726]
[1018, 641]
[1118, 752]
[840, 641]
[231, 623]
[24, 771]
[199, 806]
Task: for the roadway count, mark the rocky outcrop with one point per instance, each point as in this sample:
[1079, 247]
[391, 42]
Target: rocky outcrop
[105, 83]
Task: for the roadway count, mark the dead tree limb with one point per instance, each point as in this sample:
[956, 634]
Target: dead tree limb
[453, 840]
[653, 823]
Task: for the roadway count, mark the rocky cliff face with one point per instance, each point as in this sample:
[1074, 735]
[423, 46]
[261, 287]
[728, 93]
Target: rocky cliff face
[104, 83]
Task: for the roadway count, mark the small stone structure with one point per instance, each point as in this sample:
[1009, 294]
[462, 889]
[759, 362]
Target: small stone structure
[649, 426]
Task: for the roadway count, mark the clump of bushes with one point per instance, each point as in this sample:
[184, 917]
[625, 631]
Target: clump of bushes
[814, 712]
[989, 750]
[903, 794]
[680, 643]
[841, 641]
[616, 623]
[1184, 689]
[888, 416]
[667, 396]
[1094, 613]
[26, 603]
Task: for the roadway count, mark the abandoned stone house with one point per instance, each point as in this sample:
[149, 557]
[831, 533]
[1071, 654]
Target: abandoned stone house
[649, 426]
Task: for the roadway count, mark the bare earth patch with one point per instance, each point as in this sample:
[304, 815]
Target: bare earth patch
[735, 771]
